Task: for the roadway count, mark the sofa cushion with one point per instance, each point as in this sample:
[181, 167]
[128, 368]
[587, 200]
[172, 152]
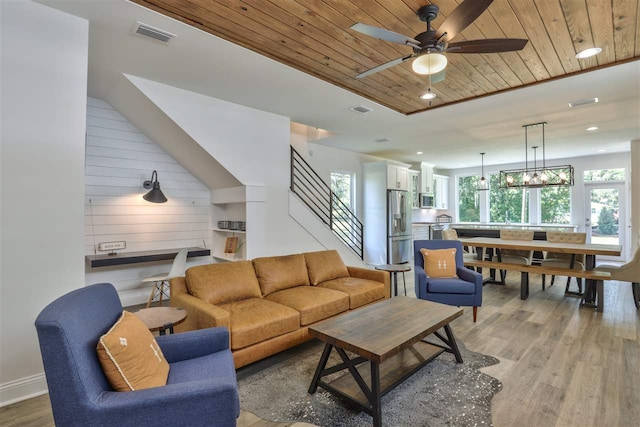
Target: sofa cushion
[313, 303]
[254, 320]
[223, 282]
[439, 262]
[325, 265]
[130, 356]
[280, 272]
[360, 291]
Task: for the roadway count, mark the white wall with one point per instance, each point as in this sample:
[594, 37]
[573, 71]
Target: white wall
[253, 146]
[634, 181]
[43, 113]
[119, 158]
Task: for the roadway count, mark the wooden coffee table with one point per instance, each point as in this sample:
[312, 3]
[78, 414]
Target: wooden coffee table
[388, 341]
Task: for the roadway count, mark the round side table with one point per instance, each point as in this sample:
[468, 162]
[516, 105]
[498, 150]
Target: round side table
[161, 319]
[394, 269]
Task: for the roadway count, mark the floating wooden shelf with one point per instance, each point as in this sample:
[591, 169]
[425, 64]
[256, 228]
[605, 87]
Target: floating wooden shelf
[140, 256]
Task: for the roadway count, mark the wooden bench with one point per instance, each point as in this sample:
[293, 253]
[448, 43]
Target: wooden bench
[597, 276]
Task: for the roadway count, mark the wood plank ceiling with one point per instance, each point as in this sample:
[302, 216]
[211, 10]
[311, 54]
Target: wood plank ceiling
[314, 36]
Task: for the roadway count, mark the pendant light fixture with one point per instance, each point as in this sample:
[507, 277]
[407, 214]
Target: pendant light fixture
[155, 195]
[483, 185]
[537, 176]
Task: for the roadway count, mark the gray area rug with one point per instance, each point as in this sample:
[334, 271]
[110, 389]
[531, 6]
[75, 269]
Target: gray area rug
[442, 393]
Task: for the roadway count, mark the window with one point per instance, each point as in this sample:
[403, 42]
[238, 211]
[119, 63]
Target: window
[507, 205]
[342, 186]
[555, 205]
[468, 199]
[604, 175]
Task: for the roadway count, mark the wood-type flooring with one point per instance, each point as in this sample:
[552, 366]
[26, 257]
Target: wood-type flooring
[560, 365]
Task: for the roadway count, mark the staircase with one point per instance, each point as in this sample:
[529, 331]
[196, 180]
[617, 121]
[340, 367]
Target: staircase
[307, 185]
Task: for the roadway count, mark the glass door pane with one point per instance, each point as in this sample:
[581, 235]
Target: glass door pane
[605, 220]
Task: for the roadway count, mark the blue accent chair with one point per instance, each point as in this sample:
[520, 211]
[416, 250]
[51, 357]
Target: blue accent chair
[201, 389]
[466, 290]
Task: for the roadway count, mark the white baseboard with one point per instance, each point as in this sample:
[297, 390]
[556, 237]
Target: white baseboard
[22, 389]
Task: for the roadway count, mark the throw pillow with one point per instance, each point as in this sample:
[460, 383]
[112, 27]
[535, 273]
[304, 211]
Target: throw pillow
[439, 263]
[325, 265]
[130, 356]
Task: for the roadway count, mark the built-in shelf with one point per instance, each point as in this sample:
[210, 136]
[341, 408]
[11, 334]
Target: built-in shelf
[228, 230]
[140, 256]
[227, 257]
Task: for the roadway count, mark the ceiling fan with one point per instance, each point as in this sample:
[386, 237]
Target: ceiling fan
[429, 46]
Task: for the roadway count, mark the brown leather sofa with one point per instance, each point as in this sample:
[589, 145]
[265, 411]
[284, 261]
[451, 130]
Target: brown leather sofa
[269, 303]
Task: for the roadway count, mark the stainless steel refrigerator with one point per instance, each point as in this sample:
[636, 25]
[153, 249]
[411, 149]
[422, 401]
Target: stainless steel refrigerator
[399, 236]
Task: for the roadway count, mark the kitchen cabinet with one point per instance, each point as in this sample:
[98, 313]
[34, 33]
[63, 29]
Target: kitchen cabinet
[441, 188]
[414, 188]
[397, 177]
[420, 231]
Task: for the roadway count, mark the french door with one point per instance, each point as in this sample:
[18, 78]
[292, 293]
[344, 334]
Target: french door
[606, 221]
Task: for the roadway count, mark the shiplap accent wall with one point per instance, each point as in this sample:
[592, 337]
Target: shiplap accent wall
[119, 158]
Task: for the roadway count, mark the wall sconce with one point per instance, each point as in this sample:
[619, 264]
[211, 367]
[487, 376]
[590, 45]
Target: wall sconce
[155, 195]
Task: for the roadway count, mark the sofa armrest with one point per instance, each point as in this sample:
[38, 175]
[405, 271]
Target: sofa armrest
[192, 344]
[200, 314]
[375, 275]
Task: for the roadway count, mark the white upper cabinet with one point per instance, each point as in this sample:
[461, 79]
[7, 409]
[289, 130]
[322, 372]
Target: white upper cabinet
[397, 177]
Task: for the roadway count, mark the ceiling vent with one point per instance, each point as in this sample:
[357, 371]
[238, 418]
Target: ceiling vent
[382, 140]
[581, 102]
[360, 109]
[152, 32]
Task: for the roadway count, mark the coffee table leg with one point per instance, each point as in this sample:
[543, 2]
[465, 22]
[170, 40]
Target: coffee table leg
[321, 364]
[376, 406]
[453, 344]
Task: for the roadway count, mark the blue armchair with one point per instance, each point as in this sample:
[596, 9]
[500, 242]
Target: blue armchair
[201, 389]
[466, 290]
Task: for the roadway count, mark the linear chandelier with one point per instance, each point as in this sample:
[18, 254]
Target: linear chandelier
[534, 177]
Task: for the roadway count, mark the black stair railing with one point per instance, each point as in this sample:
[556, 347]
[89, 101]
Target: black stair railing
[325, 204]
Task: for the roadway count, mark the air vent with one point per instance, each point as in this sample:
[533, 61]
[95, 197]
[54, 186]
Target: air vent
[382, 140]
[152, 32]
[581, 102]
[360, 109]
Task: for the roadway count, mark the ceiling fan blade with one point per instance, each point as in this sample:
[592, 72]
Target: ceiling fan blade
[486, 46]
[384, 66]
[381, 33]
[461, 17]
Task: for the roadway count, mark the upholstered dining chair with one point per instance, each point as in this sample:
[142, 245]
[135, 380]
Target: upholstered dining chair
[629, 272]
[452, 234]
[465, 289]
[160, 281]
[513, 256]
[201, 387]
[563, 260]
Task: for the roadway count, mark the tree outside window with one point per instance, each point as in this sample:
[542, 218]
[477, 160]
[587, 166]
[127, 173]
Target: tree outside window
[507, 205]
[468, 199]
[555, 205]
[341, 185]
[604, 175]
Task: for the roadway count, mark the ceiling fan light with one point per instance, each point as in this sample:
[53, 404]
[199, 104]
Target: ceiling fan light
[428, 95]
[431, 63]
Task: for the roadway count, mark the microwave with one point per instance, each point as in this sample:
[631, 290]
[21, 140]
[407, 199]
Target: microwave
[427, 200]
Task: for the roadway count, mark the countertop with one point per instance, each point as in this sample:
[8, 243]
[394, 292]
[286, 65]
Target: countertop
[499, 226]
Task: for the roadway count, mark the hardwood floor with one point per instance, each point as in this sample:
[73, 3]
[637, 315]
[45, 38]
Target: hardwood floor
[560, 365]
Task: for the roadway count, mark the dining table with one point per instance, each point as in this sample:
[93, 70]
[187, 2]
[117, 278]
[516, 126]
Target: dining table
[590, 250]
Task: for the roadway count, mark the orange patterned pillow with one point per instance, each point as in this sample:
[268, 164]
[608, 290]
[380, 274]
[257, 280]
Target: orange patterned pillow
[130, 356]
[440, 263]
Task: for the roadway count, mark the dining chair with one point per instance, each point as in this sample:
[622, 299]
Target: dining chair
[514, 256]
[629, 272]
[563, 260]
[463, 290]
[160, 281]
[452, 234]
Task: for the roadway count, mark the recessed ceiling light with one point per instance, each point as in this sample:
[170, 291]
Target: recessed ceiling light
[588, 53]
[419, 152]
[592, 128]
[428, 95]
[602, 150]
